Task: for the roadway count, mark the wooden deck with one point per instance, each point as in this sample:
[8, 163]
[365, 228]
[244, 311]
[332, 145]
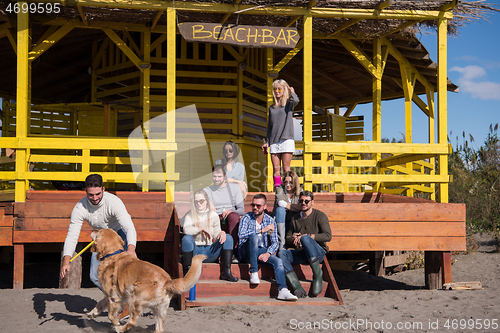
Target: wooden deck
[359, 221]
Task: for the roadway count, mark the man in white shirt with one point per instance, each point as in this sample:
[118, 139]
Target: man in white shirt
[101, 210]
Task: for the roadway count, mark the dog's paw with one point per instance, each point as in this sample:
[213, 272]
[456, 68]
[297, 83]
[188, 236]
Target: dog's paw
[120, 328]
[94, 313]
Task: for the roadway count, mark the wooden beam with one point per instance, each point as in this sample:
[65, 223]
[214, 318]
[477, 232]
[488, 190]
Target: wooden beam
[359, 55]
[124, 47]
[442, 103]
[402, 159]
[227, 15]
[49, 42]
[452, 4]
[82, 15]
[209, 7]
[289, 56]
[157, 17]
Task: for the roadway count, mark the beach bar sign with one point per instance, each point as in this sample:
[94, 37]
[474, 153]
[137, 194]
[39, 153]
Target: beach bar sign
[240, 35]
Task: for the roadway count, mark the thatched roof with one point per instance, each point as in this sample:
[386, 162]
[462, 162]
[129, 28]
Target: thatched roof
[61, 74]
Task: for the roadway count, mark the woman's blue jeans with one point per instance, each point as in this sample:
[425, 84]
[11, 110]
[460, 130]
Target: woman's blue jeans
[280, 217]
[94, 263]
[310, 251]
[251, 251]
[211, 251]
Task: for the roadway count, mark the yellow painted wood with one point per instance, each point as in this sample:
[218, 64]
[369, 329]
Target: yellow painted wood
[289, 56]
[432, 137]
[82, 15]
[360, 56]
[170, 102]
[369, 178]
[442, 104]
[124, 47]
[146, 79]
[403, 159]
[195, 74]
[377, 99]
[403, 61]
[255, 10]
[374, 147]
[23, 100]
[307, 100]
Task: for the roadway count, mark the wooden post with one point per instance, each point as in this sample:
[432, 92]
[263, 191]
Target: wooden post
[18, 266]
[433, 269]
[442, 104]
[447, 277]
[307, 100]
[376, 263]
[22, 101]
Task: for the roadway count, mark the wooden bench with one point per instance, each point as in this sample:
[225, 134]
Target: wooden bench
[378, 222]
[45, 217]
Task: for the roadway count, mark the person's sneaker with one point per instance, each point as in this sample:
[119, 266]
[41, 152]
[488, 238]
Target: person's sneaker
[254, 278]
[285, 295]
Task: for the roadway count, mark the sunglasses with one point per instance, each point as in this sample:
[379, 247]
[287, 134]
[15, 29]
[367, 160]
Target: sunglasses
[228, 150]
[305, 201]
[199, 202]
[256, 205]
[278, 89]
[288, 183]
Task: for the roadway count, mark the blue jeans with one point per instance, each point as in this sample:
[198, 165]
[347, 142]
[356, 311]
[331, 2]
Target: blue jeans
[94, 263]
[211, 251]
[251, 251]
[280, 217]
[310, 251]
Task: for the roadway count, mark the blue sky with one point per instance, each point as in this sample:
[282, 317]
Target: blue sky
[474, 65]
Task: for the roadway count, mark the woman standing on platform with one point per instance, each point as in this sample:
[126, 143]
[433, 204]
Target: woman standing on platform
[280, 135]
[286, 204]
[235, 171]
[203, 235]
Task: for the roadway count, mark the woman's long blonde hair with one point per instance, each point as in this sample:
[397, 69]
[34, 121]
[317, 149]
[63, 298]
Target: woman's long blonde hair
[194, 212]
[286, 93]
[295, 181]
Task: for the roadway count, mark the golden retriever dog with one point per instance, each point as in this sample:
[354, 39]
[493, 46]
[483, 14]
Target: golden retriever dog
[140, 284]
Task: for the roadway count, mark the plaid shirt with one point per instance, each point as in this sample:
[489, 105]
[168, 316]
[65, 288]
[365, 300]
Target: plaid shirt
[248, 227]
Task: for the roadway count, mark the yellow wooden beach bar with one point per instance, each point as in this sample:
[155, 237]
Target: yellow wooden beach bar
[146, 92]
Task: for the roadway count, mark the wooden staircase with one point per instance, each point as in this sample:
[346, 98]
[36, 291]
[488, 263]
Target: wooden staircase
[211, 291]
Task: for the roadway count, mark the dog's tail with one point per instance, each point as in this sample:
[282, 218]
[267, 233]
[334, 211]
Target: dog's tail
[187, 282]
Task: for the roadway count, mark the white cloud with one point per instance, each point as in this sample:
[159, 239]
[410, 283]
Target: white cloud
[471, 84]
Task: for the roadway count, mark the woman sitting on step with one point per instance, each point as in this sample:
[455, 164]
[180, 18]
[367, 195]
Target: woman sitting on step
[286, 204]
[203, 235]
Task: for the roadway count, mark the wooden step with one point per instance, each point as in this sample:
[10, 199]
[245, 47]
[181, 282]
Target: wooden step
[218, 288]
[259, 300]
[211, 271]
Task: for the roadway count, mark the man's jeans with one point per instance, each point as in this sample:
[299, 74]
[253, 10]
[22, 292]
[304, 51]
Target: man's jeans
[94, 263]
[211, 251]
[310, 250]
[251, 251]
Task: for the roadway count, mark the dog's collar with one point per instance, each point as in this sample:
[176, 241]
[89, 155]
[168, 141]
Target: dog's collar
[112, 254]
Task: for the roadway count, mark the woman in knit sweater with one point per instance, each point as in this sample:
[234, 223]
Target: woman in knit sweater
[203, 235]
[280, 136]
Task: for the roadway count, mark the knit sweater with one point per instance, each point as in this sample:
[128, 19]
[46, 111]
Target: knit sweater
[316, 223]
[110, 212]
[210, 222]
[280, 121]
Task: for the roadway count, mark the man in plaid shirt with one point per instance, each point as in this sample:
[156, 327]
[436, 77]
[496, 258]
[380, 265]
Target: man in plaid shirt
[254, 245]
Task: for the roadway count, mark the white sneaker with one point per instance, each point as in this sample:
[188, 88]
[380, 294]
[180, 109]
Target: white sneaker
[254, 278]
[285, 295]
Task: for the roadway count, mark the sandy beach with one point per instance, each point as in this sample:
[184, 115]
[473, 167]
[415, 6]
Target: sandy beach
[396, 303]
